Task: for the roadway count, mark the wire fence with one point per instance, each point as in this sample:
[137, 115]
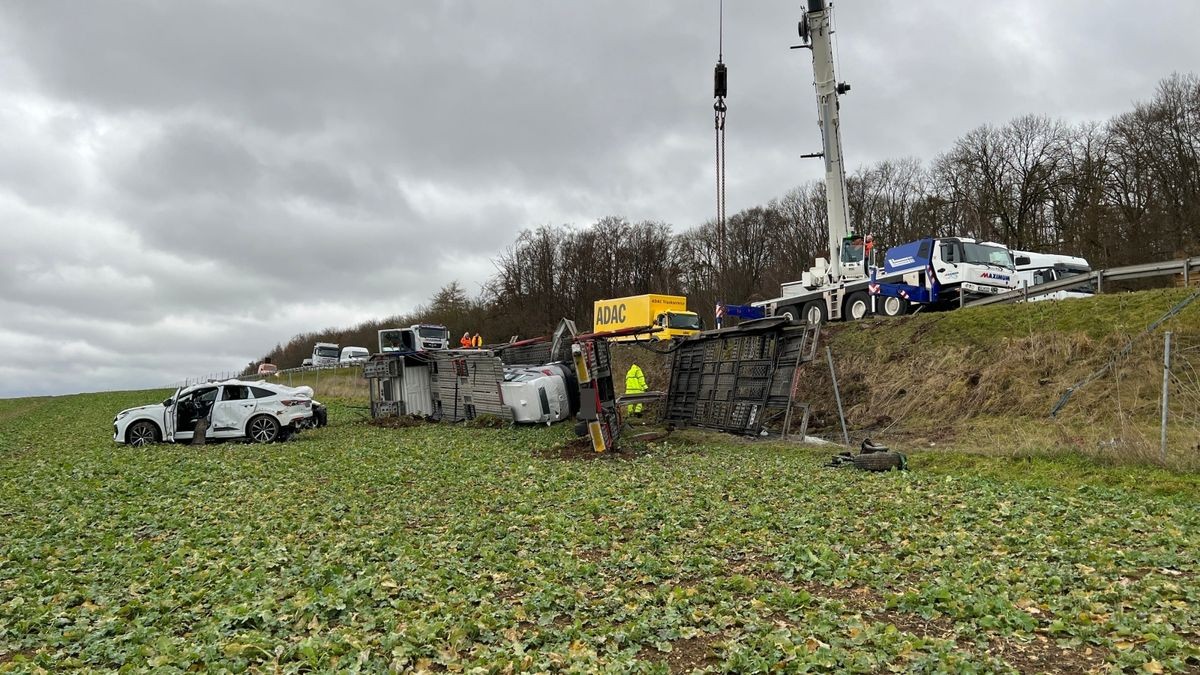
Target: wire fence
[341, 381]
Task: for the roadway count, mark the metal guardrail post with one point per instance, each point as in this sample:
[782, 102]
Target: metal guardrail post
[1162, 450]
[837, 395]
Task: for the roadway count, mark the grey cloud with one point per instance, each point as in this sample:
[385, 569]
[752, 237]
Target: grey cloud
[185, 184]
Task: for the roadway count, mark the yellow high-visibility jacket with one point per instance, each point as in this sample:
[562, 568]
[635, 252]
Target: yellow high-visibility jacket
[635, 380]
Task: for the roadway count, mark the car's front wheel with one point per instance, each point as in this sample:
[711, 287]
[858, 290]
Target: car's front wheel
[263, 429]
[141, 433]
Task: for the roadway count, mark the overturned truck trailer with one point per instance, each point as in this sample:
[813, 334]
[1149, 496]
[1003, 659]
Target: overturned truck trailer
[741, 380]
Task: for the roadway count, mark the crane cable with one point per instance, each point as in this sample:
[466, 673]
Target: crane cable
[720, 87]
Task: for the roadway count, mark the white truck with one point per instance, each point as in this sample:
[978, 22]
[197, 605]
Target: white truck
[325, 355]
[844, 285]
[420, 337]
[1038, 268]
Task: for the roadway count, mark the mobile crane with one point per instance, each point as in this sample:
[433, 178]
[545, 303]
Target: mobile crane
[934, 271]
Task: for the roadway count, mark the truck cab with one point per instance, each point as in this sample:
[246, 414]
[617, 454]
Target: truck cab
[1034, 269]
[943, 273]
[325, 354]
[677, 325]
[428, 336]
[418, 338]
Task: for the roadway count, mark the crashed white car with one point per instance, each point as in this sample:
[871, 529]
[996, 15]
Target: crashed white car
[538, 394]
[261, 412]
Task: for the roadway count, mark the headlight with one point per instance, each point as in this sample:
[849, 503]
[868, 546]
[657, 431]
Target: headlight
[121, 415]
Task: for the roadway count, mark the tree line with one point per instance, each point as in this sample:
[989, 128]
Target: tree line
[1121, 192]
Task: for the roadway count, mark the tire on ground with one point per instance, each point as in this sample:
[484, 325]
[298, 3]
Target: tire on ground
[860, 300]
[263, 429]
[143, 432]
[791, 311]
[879, 461]
[814, 309]
[892, 306]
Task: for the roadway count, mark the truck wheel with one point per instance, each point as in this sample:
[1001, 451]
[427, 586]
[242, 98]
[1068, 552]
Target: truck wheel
[814, 311]
[858, 306]
[893, 307]
[790, 311]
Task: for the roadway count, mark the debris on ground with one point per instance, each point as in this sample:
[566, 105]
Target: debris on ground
[487, 422]
[871, 457]
[398, 421]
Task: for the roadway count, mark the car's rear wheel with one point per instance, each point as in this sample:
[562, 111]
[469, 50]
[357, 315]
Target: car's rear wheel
[142, 433]
[263, 429]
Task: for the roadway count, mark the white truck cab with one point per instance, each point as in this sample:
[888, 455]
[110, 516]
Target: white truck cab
[325, 354]
[1038, 268]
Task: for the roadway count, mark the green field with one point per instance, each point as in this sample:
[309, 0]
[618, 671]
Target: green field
[439, 548]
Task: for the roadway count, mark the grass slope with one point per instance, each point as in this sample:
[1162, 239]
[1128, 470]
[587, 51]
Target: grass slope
[985, 379]
[449, 548]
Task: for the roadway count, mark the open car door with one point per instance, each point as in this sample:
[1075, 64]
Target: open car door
[169, 417]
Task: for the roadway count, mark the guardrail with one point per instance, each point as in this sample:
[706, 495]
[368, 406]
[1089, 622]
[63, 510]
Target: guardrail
[1187, 267]
[255, 377]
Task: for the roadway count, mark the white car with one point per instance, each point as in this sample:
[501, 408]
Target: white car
[261, 412]
[536, 394]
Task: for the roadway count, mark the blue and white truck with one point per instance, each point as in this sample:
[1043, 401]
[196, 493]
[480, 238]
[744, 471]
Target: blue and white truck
[933, 271]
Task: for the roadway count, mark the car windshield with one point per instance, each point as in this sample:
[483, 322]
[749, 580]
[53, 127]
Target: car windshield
[685, 321]
[433, 333]
[986, 255]
[327, 351]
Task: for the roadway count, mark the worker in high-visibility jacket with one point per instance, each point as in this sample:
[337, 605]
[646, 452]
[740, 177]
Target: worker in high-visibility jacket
[635, 383]
[477, 341]
[465, 341]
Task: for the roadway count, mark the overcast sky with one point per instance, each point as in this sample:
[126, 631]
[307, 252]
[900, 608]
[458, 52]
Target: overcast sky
[185, 184]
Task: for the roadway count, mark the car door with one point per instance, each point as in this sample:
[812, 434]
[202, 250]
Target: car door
[169, 417]
[231, 411]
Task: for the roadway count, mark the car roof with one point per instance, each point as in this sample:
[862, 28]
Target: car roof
[218, 383]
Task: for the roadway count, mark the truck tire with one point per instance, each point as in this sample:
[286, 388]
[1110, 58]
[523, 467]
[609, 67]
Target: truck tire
[814, 312]
[858, 306]
[892, 306]
[879, 461]
[792, 312]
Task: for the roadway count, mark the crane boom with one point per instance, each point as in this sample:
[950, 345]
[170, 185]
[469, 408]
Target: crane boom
[819, 30]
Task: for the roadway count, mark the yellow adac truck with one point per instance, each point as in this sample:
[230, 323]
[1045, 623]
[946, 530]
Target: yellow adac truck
[668, 312]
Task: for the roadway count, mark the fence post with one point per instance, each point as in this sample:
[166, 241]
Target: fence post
[1166, 387]
[837, 395]
[1024, 291]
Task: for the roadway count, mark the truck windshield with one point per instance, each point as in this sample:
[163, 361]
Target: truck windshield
[431, 333]
[684, 321]
[328, 352]
[986, 255]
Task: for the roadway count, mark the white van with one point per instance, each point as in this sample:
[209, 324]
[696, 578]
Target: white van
[353, 355]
